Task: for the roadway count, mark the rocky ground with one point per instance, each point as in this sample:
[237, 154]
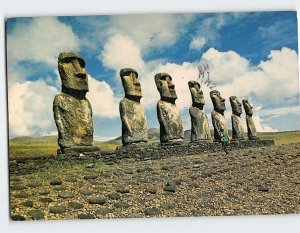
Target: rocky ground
[246, 182]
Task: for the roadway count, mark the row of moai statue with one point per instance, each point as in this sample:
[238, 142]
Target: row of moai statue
[73, 112]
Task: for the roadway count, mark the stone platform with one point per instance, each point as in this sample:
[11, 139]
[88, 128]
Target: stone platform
[136, 152]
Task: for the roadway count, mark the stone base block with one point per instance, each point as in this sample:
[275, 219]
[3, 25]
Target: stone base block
[78, 149]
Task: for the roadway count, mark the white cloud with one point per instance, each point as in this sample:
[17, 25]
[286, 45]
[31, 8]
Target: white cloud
[121, 51]
[197, 43]
[103, 101]
[261, 126]
[151, 30]
[30, 108]
[40, 40]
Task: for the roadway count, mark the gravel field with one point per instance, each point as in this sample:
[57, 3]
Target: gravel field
[254, 181]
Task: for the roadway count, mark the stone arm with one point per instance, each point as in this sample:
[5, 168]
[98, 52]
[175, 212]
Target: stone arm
[124, 119]
[58, 119]
[161, 119]
[216, 124]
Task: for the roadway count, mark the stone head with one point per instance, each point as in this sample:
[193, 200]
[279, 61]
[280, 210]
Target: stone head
[71, 67]
[196, 92]
[218, 101]
[130, 82]
[165, 86]
[248, 107]
[235, 105]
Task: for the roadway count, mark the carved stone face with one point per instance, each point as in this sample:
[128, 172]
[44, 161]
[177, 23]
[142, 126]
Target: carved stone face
[72, 71]
[196, 92]
[235, 105]
[130, 82]
[248, 107]
[218, 101]
[165, 86]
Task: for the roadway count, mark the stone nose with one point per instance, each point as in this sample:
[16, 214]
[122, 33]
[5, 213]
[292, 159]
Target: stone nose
[78, 68]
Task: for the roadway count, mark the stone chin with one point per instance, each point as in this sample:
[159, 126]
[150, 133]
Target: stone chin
[75, 83]
[199, 100]
[220, 107]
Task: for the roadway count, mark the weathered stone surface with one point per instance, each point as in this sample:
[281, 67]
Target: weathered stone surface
[72, 110]
[171, 128]
[57, 209]
[36, 214]
[237, 125]
[133, 117]
[217, 115]
[199, 121]
[251, 129]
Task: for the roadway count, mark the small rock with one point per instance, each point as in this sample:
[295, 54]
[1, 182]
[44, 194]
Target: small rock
[122, 205]
[90, 177]
[263, 188]
[36, 214]
[21, 195]
[152, 211]
[135, 215]
[122, 190]
[17, 218]
[128, 171]
[90, 165]
[57, 209]
[167, 206]
[55, 182]
[43, 192]
[17, 187]
[66, 195]
[86, 216]
[71, 179]
[114, 196]
[97, 201]
[46, 200]
[86, 192]
[206, 174]
[151, 190]
[103, 211]
[196, 166]
[75, 205]
[34, 184]
[170, 188]
[27, 203]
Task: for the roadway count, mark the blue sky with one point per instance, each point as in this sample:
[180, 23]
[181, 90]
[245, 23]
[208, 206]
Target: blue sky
[253, 55]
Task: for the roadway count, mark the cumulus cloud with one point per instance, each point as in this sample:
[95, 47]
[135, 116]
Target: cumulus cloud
[40, 40]
[121, 51]
[103, 101]
[30, 111]
[151, 30]
[197, 43]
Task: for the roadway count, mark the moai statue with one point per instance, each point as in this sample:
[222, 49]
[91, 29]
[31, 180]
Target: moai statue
[133, 117]
[217, 115]
[199, 121]
[237, 125]
[171, 128]
[72, 110]
[251, 130]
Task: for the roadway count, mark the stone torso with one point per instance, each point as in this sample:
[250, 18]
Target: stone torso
[199, 128]
[73, 118]
[171, 128]
[237, 127]
[251, 130]
[219, 122]
[134, 122]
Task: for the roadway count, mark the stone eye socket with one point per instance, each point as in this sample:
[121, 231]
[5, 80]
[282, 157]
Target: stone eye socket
[71, 59]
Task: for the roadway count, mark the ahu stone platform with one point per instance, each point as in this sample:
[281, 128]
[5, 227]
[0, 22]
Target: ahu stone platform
[139, 152]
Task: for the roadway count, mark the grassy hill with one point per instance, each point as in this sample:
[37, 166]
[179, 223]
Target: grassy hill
[47, 145]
